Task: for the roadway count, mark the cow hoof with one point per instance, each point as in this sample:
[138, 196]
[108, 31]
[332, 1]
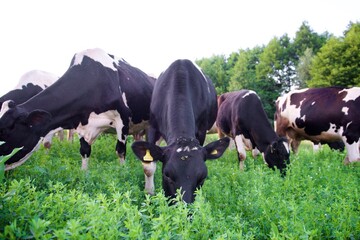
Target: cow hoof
[47, 145]
[151, 192]
[242, 165]
[122, 161]
[346, 161]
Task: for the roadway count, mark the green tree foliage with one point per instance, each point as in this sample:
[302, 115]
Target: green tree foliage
[303, 68]
[308, 60]
[277, 64]
[215, 68]
[338, 61]
[243, 75]
[306, 38]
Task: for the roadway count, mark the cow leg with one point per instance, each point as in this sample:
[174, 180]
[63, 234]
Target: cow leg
[121, 151]
[353, 154]
[295, 145]
[149, 171]
[240, 147]
[85, 151]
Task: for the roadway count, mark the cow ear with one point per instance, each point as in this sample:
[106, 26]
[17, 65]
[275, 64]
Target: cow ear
[216, 149]
[147, 152]
[38, 117]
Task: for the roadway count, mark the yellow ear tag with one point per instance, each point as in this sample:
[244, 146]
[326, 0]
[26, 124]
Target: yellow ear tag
[214, 152]
[148, 157]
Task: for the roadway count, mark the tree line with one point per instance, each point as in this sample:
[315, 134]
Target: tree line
[309, 59]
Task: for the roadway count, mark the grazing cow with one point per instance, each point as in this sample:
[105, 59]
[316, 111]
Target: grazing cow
[183, 108]
[242, 117]
[97, 92]
[321, 115]
[30, 84]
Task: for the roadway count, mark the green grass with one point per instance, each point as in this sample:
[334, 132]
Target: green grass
[49, 197]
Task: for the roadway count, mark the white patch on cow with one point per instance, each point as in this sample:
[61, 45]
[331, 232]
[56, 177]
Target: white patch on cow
[352, 94]
[290, 112]
[286, 145]
[97, 55]
[249, 93]
[303, 118]
[149, 170]
[312, 103]
[200, 70]
[125, 99]
[37, 77]
[345, 110]
[97, 124]
[240, 147]
[353, 154]
[85, 163]
[48, 138]
[186, 149]
[4, 108]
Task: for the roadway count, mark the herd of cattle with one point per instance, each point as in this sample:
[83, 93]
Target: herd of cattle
[100, 92]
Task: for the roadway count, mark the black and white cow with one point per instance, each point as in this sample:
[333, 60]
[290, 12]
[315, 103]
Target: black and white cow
[242, 117]
[30, 84]
[183, 108]
[321, 115]
[97, 92]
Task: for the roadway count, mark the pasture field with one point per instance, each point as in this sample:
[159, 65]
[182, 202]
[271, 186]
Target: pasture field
[49, 197]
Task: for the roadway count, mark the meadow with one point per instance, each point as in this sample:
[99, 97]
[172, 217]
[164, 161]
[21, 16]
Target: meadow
[49, 197]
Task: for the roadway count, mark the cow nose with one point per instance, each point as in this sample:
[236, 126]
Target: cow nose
[188, 197]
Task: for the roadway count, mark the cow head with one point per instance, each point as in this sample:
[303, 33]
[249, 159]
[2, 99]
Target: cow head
[183, 163]
[277, 154]
[20, 129]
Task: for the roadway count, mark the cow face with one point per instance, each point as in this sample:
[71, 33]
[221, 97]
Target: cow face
[277, 154]
[19, 128]
[183, 163]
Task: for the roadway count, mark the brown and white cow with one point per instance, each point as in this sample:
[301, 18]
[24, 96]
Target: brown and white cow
[325, 114]
[242, 117]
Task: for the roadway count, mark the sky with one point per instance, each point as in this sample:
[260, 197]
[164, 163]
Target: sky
[151, 34]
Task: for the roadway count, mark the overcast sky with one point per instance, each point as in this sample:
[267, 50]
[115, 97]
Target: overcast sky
[150, 34]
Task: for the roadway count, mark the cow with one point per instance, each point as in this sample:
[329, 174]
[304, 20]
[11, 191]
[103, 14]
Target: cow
[241, 116]
[97, 92]
[327, 114]
[183, 107]
[30, 84]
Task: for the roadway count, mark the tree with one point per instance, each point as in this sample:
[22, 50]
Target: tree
[216, 69]
[303, 68]
[338, 61]
[277, 64]
[243, 74]
[306, 38]
[275, 72]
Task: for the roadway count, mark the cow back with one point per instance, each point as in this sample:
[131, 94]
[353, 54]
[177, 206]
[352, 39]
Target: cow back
[183, 102]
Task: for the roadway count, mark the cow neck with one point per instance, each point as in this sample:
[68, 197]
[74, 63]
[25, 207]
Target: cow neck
[180, 127]
[268, 136]
[65, 105]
